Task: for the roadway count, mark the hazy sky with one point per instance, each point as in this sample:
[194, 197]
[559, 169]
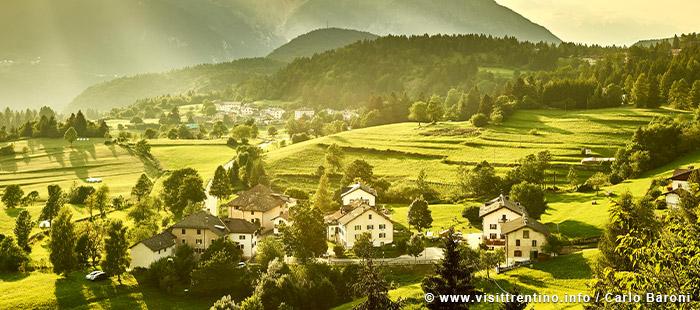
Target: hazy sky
[611, 21]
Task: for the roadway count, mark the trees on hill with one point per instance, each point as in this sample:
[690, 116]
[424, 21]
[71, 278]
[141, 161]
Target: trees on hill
[419, 215]
[54, 203]
[23, 227]
[62, 243]
[181, 188]
[143, 187]
[116, 258]
[530, 196]
[220, 185]
[12, 196]
[71, 135]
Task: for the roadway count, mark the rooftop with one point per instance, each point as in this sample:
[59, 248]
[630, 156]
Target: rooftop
[522, 222]
[260, 198]
[502, 201]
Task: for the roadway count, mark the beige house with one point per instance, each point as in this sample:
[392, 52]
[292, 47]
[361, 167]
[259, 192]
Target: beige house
[507, 225]
[198, 231]
[359, 193]
[524, 239]
[494, 214]
[144, 253]
[344, 227]
[260, 205]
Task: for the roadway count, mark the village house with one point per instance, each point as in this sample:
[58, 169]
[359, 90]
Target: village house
[678, 184]
[260, 205]
[359, 192]
[507, 225]
[345, 226]
[358, 215]
[198, 231]
[275, 113]
[304, 112]
[228, 106]
[248, 110]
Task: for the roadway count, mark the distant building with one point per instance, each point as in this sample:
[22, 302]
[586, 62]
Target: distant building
[248, 110]
[679, 184]
[298, 114]
[359, 192]
[144, 253]
[596, 160]
[345, 226]
[275, 113]
[228, 106]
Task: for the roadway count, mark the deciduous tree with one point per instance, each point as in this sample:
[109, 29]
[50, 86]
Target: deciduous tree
[62, 243]
[116, 250]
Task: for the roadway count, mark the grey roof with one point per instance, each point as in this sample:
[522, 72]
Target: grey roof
[160, 241]
[522, 222]
[203, 220]
[499, 202]
[260, 198]
[357, 212]
[240, 226]
[357, 186]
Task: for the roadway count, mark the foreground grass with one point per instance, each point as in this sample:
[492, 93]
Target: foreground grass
[49, 291]
[568, 274]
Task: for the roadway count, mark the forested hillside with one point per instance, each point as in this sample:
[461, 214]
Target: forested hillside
[318, 41]
[203, 78]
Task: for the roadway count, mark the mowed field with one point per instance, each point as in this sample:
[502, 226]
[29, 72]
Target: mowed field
[399, 151]
[54, 161]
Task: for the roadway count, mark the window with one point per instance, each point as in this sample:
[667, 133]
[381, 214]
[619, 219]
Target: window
[198, 241]
[241, 237]
[358, 227]
[382, 235]
[517, 242]
[503, 236]
[492, 236]
[517, 253]
[183, 241]
[493, 226]
[534, 242]
[382, 226]
[370, 227]
[240, 246]
[504, 218]
[252, 212]
[183, 231]
[526, 234]
[370, 216]
[199, 231]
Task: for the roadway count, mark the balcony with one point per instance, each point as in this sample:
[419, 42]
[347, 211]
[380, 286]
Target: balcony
[495, 242]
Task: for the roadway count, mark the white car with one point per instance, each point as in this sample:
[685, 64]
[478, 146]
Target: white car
[96, 275]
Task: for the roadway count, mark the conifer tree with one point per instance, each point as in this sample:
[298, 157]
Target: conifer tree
[220, 185]
[116, 250]
[323, 199]
[23, 227]
[62, 243]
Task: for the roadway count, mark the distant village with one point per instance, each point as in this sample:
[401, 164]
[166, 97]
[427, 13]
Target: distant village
[265, 116]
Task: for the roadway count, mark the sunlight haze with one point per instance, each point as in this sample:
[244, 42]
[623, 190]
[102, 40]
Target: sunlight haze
[610, 22]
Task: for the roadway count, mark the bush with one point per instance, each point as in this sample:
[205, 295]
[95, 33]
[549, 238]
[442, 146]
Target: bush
[296, 193]
[162, 274]
[300, 137]
[479, 120]
[7, 150]
[11, 255]
[471, 213]
[232, 142]
[78, 194]
[339, 251]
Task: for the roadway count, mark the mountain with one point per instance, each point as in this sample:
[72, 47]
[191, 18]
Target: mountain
[318, 41]
[416, 17]
[51, 50]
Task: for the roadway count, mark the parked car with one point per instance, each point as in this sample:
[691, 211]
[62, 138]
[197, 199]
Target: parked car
[96, 275]
[241, 265]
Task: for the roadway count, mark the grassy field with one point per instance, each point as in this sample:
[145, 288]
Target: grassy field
[397, 151]
[444, 217]
[49, 291]
[567, 274]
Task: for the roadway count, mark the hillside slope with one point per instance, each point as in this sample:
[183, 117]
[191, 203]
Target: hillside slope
[318, 41]
[202, 78]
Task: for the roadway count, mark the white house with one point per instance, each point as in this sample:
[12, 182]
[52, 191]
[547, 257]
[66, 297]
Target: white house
[144, 253]
[248, 110]
[244, 233]
[679, 183]
[359, 192]
[345, 226]
[281, 220]
[309, 113]
[506, 225]
[496, 212]
[275, 113]
[228, 106]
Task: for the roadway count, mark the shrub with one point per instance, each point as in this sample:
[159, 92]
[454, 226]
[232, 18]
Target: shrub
[7, 150]
[339, 250]
[299, 137]
[232, 142]
[296, 193]
[471, 213]
[78, 194]
[479, 120]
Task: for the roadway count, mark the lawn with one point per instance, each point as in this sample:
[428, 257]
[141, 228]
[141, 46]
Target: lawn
[399, 151]
[567, 274]
[444, 217]
[38, 290]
